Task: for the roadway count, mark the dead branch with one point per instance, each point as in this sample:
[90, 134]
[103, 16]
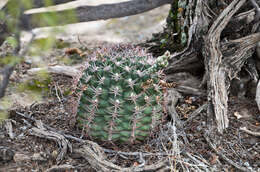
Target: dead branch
[63, 70]
[93, 13]
[250, 132]
[190, 90]
[241, 50]
[35, 73]
[195, 113]
[63, 143]
[257, 9]
[218, 83]
[82, 14]
[33, 120]
[44, 131]
[41, 3]
[95, 155]
[64, 167]
[137, 154]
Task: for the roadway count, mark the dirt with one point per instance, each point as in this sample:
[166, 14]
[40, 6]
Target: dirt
[22, 150]
[27, 152]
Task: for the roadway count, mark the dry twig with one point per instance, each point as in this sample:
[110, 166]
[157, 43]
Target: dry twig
[250, 132]
[64, 167]
[63, 143]
[41, 3]
[195, 113]
[212, 146]
[95, 155]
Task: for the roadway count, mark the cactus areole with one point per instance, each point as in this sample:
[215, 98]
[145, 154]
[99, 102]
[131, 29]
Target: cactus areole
[121, 98]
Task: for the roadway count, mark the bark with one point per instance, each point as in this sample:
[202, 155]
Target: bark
[218, 83]
[223, 63]
[225, 42]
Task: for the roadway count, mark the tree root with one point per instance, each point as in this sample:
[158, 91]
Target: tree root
[64, 144]
[95, 155]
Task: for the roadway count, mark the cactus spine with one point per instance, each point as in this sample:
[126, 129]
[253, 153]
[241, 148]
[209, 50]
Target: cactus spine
[121, 99]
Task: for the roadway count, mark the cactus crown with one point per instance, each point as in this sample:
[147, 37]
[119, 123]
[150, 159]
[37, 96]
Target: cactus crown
[121, 99]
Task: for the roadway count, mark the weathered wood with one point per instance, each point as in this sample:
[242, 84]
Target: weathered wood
[62, 70]
[218, 83]
[63, 143]
[96, 157]
[189, 63]
[257, 96]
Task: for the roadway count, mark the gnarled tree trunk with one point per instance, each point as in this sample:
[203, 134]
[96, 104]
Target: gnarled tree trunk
[218, 36]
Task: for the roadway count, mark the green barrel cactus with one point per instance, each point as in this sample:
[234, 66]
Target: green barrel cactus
[121, 98]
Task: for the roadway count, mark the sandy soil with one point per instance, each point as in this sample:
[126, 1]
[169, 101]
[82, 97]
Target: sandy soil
[135, 28]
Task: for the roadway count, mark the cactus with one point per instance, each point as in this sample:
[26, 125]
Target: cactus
[121, 99]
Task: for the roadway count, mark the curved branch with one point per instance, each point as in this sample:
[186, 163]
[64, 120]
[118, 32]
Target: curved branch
[93, 13]
[41, 3]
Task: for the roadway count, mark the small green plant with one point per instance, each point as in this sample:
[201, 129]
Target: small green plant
[121, 96]
[13, 20]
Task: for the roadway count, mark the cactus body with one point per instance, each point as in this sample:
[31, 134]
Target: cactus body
[121, 99]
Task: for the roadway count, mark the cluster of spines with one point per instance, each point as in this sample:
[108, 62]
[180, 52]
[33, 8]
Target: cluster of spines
[117, 103]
